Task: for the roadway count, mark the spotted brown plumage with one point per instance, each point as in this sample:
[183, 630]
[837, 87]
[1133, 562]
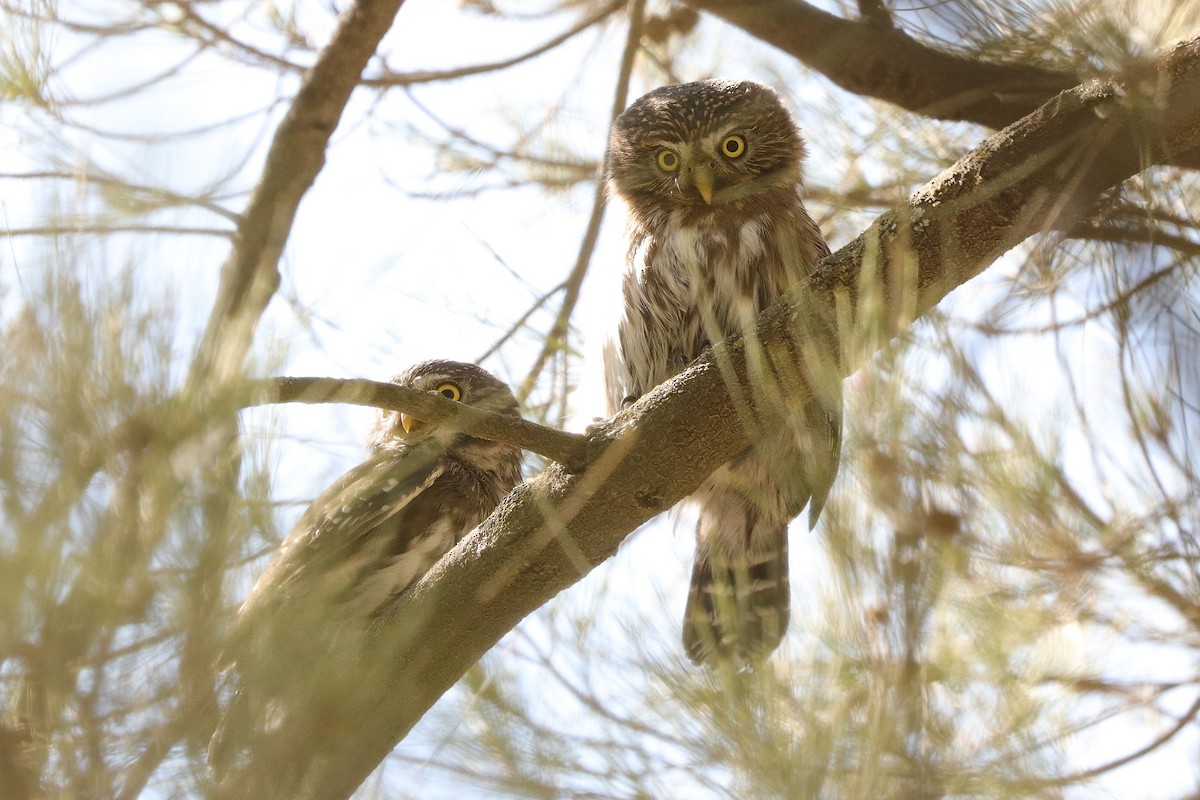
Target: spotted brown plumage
[710, 173]
[363, 542]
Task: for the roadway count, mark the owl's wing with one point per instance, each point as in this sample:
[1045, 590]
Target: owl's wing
[293, 614]
[332, 539]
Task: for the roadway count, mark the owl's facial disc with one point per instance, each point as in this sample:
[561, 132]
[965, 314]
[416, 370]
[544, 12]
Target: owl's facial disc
[706, 167]
[677, 160]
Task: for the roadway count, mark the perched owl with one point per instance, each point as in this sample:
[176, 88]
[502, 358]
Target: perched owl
[359, 545]
[711, 175]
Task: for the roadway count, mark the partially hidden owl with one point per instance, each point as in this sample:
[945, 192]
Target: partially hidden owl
[710, 173]
[360, 544]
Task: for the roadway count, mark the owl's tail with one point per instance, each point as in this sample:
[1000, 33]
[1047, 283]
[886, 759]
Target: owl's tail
[737, 606]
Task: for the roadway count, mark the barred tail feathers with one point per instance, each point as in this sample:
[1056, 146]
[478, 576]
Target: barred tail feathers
[738, 601]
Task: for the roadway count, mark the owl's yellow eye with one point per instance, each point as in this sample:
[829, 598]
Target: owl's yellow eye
[668, 161]
[450, 390]
[733, 146]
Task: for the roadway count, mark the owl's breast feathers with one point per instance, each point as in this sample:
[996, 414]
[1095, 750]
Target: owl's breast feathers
[699, 274]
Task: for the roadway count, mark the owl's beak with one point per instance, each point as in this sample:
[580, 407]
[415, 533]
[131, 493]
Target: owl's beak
[702, 179]
[409, 423]
[699, 178]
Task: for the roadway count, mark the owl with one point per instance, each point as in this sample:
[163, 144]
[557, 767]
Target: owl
[360, 544]
[710, 174]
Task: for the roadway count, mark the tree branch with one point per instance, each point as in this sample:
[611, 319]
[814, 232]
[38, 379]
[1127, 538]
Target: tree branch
[297, 154]
[556, 527]
[879, 61]
[389, 79]
[569, 449]
[249, 279]
[556, 338]
[1043, 172]
[173, 421]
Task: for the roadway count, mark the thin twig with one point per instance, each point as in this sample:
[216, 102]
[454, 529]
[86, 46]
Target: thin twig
[431, 76]
[518, 324]
[159, 196]
[556, 339]
[107, 230]
[1095, 772]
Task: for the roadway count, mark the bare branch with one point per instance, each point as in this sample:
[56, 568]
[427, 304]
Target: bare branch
[565, 448]
[1158, 741]
[156, 197]
[556, 338]
[1041, 173]
[173, 422]
[251, 275]
[519, 323]
[93, 229]
[880, 61]
[432, 76]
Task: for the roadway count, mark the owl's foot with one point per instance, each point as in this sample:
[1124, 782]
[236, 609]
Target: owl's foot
[683, 361]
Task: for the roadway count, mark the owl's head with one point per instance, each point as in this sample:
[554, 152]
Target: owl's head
[703, 145]
[457, 381]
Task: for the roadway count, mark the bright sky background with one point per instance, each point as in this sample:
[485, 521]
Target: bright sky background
[375, 279]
